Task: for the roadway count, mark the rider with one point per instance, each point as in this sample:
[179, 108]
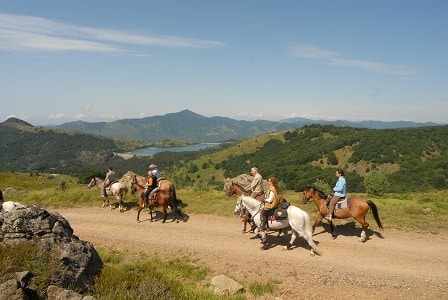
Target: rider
[256, 187]
[339, 192]
[152, 188]
[110, 178]
[272, 201]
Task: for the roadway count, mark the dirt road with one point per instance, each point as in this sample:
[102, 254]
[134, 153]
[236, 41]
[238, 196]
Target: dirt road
[391, 265]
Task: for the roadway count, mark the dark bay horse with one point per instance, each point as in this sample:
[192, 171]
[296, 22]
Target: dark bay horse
[165, 197]
[357, 208]
[237, 189]
[116, 189]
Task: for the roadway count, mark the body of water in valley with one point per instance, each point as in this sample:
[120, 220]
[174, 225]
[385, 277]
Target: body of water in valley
[153, 150]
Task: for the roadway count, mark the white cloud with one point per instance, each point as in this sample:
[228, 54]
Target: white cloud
[55, 116]
[335, 59]
[27, 32]
[373, 66]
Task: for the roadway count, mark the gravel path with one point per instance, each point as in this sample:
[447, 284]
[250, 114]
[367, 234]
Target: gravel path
[390, 265]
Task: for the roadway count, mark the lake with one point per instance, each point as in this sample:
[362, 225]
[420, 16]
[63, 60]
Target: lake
[153, 150]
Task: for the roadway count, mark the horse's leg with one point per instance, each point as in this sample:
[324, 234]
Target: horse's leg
[365, 225]
[165, 214]
[333, 235]
[139, 210]
[291, 241]
[318, 220]
[120, 202]
[263, 239]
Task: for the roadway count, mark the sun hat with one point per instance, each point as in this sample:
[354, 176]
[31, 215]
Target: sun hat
[152, 166]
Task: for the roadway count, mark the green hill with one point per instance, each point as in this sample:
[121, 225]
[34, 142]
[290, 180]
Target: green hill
[26, 148]
[412, 159]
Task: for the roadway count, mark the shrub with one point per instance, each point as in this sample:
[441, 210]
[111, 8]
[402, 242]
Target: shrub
[376, 183]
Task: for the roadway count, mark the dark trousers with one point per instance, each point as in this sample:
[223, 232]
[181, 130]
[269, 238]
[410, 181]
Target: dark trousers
[147, 192]
[265, 216]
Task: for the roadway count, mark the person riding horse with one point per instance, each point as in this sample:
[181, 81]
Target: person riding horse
[272, 201]
[110, 178]
[256, 187]
[152, 183]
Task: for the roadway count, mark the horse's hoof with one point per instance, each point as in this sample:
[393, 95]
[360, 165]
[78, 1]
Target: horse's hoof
[312, 253]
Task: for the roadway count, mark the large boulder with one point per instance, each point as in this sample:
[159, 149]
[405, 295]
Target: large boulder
[79, 261]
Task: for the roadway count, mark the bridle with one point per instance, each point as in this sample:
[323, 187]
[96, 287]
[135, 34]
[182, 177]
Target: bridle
[240, 201]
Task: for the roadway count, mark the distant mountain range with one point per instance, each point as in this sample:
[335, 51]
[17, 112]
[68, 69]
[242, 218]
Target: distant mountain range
[192, 127]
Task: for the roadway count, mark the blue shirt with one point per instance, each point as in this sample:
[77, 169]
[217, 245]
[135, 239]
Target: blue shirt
[339, 189]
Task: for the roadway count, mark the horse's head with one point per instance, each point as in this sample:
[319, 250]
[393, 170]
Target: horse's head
[134, 185]
[231, 190]
[239, 207]
[92, 183]
[311, 192]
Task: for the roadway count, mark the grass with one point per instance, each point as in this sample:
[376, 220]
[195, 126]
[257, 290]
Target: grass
[143, 277]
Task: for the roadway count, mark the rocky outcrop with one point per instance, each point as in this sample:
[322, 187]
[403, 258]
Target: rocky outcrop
[78, 260]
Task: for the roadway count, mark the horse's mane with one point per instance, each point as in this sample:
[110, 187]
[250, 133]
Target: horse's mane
[320, 193]
[240, 186]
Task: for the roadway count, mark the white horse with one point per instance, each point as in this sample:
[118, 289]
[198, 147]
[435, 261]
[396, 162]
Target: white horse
[117, 189]
[10, 206]
[297, 219]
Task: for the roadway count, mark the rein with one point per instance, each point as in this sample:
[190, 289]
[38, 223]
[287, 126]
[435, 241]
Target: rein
[253, 207]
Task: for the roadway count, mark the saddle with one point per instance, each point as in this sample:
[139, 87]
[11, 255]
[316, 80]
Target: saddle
[281, 212]
[342, 203]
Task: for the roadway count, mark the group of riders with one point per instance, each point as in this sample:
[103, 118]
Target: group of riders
[153, 177]
[272, 198]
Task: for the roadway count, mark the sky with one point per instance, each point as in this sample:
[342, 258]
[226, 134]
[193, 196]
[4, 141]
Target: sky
[100, 61]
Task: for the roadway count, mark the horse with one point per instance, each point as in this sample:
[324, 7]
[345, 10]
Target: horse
[165, 197]
[236, 189]
[355, 207]
[297, 219]
[117, 189]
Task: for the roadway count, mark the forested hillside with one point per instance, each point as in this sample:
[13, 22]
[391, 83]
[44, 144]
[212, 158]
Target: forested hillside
[26, 148]
[412, 159]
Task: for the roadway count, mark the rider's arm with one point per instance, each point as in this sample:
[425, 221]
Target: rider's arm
[270, 198]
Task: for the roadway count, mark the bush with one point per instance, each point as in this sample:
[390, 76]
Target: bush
[376, 183]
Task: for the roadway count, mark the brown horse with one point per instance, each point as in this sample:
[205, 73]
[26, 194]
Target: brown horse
[355, 207]
[236, 189]
[165, 197]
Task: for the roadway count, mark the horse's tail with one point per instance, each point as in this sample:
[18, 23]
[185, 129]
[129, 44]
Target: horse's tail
[375, 213]
[173, 199]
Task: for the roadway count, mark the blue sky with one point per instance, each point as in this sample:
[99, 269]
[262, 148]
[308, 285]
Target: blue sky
[62, 61]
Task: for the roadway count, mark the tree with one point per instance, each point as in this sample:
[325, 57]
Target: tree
[376, 183]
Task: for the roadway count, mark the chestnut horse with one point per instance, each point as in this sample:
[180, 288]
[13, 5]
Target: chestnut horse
[165, 197]
[356, 207]
[117, 189]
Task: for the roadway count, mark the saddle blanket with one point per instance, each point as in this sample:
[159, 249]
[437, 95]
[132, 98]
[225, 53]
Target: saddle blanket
[343, 204]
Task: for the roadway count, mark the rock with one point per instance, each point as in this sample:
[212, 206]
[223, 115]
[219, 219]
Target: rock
[79, 262]
[11, 290]
[224, 285]
[58, 293]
